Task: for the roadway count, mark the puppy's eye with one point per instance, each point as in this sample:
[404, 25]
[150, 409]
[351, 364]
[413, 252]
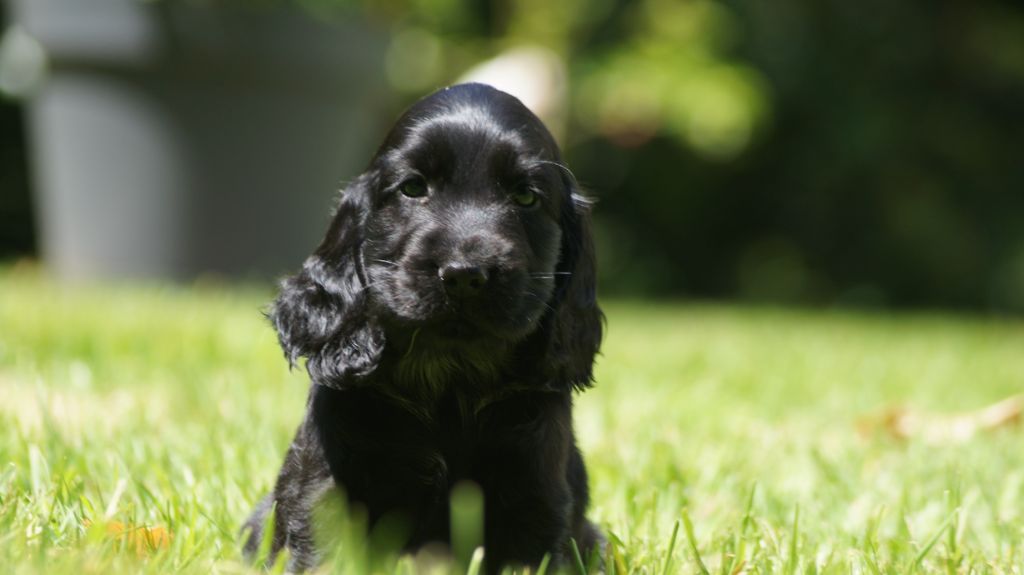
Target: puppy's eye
[524, 197]
[413, 188]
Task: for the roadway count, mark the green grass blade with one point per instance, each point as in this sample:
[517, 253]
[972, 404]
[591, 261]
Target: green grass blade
[580, 567]
[542, 569]
[933, 540]
[692, 540]
[793, 561]
[671, 547]
[476, 562]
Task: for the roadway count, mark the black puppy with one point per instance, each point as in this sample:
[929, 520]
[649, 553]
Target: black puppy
[446, 319]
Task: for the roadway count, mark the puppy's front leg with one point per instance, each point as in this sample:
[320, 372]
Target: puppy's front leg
[303, 480]
[522, 468]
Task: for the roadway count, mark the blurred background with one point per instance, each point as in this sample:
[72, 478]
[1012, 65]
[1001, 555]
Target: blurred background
[808, 152]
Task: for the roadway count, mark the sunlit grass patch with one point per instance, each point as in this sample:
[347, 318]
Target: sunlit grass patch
[728, 438]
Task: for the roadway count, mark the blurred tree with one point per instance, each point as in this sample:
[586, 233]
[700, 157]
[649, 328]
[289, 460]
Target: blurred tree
[890, 171]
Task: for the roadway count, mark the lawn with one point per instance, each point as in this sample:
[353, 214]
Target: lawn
[140, 424]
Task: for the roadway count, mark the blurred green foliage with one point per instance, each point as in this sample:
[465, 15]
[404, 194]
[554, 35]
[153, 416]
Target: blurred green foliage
[829, 153]
[803, 152]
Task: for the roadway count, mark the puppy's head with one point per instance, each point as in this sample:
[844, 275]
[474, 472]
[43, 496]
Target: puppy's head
[464, 236]
[464, 241]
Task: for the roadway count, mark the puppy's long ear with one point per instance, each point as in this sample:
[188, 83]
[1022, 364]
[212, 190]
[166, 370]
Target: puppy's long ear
[321, 312]
[577, 322]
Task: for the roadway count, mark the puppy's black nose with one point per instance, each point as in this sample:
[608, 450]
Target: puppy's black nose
[462, 280]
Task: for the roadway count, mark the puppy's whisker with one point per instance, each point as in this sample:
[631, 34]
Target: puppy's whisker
[562, 167]
[389, 262]
[369, 285]
[412, 344]
[540, 299]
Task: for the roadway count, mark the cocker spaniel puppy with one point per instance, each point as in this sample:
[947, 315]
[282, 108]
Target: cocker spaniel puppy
[445, 320]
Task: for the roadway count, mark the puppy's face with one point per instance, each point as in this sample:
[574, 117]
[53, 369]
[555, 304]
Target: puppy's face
[462, 238]
[463, 246]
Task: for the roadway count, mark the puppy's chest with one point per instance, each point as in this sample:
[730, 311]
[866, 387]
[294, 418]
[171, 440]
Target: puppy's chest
[457, 427]
[454, 435]
[449, 440]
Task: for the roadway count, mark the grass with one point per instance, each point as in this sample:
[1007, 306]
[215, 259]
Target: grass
[139, 425]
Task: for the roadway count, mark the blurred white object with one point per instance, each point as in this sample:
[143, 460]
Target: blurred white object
[22, 63]
[535, 75]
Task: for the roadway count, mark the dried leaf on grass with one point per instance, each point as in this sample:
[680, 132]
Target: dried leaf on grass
[903, 422]
[140, 538]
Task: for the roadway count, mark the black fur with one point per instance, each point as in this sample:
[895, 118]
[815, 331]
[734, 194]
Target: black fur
[445, 321]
